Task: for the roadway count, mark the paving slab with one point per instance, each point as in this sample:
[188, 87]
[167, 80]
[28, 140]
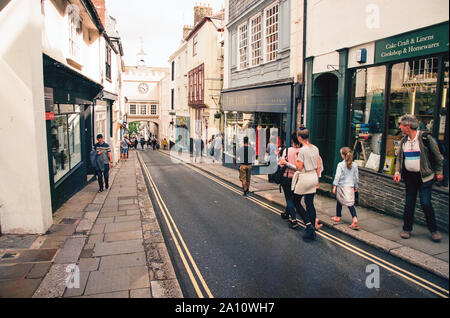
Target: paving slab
[88, 264]
[14, 271]
[71, 251]
[16, 241]
[77, 290]
[122, 260]
[97, 229]
[127, 218]
[126, 278]
[39, 270]
[105, 220]
[23, 288]
[120, 294]
[140, 293]
[123, 226]
[115, 248]
[123, 236]
[28, 256]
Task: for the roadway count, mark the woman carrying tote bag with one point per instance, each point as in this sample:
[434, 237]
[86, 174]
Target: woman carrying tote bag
[306, 180]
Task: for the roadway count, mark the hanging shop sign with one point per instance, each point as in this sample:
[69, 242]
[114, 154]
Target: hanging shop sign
[426, 41]
[49, 116]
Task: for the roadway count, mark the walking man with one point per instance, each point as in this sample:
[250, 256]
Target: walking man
[418, 163]
[245, 156]
[104, 150]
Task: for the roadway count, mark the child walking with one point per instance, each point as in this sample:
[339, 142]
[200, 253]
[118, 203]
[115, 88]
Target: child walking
[345, 185]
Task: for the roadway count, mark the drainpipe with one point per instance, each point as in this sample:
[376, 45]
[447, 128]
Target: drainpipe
[302, 119]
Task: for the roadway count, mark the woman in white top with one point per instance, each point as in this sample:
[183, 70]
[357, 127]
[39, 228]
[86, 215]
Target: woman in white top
[309, 167]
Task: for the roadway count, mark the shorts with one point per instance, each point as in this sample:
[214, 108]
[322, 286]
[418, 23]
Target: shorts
[124, 151]
[245, 172]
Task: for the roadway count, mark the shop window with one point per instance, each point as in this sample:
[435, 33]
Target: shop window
[271, 18]
[256, 39]
[133, 109]
[65, 141]
[243, 46]
[413, 91]
[260, 127]
[367, 115]
[444, 105]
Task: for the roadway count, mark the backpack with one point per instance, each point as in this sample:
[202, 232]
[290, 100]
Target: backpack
[441, 146]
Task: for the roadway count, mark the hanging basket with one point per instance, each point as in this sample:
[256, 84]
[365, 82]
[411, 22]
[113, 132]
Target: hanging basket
[217, 115]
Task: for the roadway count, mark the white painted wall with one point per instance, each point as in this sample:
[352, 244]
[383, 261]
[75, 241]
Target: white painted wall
[25, 203]
[333, 25]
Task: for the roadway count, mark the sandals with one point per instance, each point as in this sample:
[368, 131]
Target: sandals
[336, 219]
[354, 226]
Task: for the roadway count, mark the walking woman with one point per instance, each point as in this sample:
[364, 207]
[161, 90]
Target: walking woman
[306, 180]
[288, 158]
[345, 185]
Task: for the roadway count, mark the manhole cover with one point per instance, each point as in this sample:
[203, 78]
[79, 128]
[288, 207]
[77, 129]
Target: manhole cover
[68, 221]
[10, 255]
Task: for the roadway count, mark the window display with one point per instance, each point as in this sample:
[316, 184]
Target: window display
[413, 91]
[65, 140]
[260, 127]
[367, 115]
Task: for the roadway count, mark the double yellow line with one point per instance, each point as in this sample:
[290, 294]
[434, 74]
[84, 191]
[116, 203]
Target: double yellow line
[437, 290]
[183, 251]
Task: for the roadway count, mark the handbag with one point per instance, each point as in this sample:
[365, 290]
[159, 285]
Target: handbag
[278, 176]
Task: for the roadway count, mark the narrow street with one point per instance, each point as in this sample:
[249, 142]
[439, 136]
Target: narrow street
[225, 245]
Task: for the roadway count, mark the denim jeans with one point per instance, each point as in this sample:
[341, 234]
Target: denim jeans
[101, 174]
[414, 184]
[292, 204]
[339, 210]
[310, 213]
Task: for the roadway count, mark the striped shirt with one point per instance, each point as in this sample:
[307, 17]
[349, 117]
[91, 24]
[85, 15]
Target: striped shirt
[104, 148]
[411, 150]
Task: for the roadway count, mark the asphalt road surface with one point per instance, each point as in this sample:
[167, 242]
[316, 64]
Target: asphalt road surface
[225, 245]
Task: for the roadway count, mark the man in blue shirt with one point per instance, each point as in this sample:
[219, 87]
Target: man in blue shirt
[103, 149]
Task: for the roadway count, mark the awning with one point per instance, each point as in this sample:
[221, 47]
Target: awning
[69, 86]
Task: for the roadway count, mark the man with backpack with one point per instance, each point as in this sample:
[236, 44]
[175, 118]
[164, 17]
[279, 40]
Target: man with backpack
[419, 161]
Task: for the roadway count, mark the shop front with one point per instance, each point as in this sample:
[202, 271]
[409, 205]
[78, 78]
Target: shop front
[409, 75]
[264, 114]
[69, 103]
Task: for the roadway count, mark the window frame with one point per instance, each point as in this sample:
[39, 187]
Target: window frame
[140, 109]
[239, 48]
[196, 84]
[129, 109]
[266, 35]
[261, 40]
[108, 63]
[195, 45]
[153, 113]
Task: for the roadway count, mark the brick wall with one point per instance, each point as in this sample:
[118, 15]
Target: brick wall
[379, 192]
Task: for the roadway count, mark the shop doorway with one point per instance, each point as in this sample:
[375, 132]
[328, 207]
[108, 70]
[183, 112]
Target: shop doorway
[323, 123]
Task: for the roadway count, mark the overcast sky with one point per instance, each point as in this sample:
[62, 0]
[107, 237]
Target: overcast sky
[159, 23]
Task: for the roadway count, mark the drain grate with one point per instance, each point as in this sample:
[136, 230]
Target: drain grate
[68, 221]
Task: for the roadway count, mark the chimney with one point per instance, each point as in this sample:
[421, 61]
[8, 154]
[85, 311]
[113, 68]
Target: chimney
[201, 11]
[186, 30]
[101, 9]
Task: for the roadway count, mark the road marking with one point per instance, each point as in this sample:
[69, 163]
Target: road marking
[167, 216]
[354, 249]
